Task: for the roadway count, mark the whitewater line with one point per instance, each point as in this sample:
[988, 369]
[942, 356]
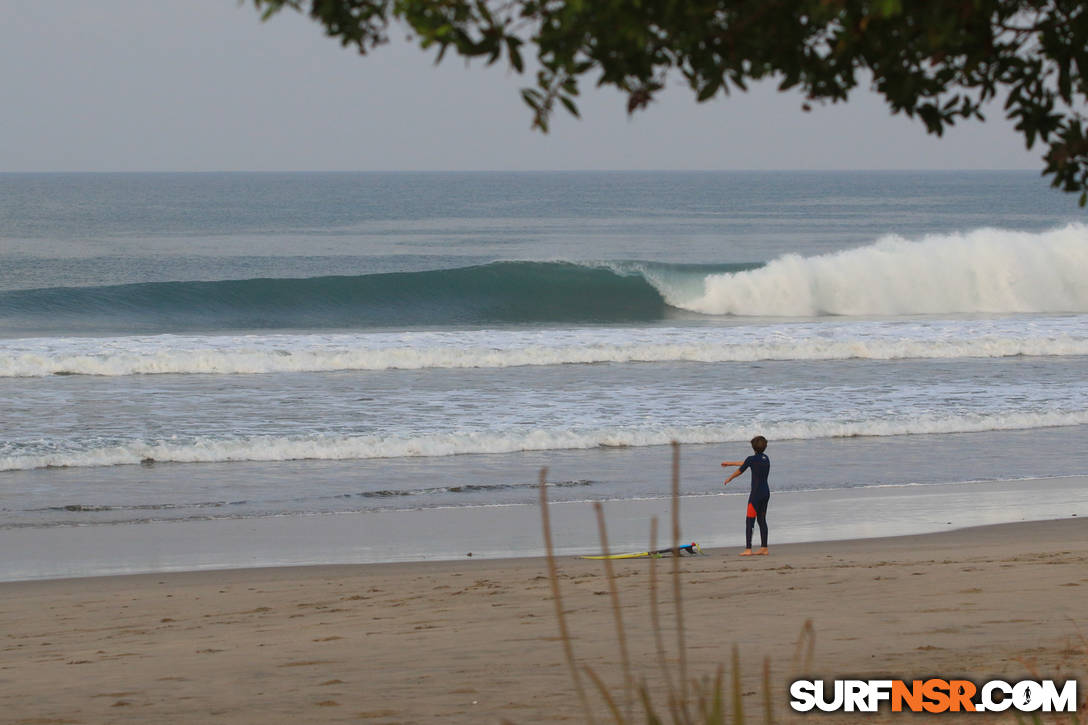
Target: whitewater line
[983, 271]
[332, 448]
[248, 355]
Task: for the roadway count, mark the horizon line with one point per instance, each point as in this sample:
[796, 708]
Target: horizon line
[518, 171]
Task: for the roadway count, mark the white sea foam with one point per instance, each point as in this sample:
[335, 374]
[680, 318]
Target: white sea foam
[325, 447]
[986, 270]
[826, 340]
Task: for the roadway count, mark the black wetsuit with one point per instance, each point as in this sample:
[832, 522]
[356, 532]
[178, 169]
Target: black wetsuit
[758, 498]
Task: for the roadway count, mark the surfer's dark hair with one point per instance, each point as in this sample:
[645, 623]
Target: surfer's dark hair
[759, 444]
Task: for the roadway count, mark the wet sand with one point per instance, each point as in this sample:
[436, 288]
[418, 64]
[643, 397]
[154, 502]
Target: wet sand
[506, 532]
[476, 640]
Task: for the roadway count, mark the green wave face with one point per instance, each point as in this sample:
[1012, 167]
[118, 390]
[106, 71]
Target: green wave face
[501, 292]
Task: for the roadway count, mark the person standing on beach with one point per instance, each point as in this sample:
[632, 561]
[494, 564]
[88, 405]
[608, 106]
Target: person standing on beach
[760, 495]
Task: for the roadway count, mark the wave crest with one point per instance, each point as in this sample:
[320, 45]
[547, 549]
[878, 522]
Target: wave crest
[984, 271]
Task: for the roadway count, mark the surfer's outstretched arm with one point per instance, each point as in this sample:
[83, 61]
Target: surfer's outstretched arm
[732, 463]
[731, 477]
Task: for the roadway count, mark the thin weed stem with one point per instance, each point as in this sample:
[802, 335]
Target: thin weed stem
[655, 620]
[680, 645]
[553, 575]
[738, 706]
[806, 645]
[617, 616]
[603, 689]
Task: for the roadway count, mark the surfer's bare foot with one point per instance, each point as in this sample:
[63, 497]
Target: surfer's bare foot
[762, 552]
[746, 552]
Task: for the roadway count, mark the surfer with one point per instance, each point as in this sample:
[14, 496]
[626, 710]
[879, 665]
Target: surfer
[760, 495]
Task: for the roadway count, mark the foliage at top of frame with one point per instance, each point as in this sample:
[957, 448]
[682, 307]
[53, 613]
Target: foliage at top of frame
[938, 61]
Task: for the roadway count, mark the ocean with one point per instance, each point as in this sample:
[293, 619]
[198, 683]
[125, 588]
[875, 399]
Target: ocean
[195, 347]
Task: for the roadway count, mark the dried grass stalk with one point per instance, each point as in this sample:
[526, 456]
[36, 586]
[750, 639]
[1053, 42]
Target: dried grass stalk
[553, 576]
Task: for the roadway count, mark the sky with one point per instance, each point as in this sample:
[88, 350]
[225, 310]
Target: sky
[205, 85]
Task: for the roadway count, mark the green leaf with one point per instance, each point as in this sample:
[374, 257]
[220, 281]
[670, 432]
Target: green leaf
[570, 106]
[515, 55]
[708, 92]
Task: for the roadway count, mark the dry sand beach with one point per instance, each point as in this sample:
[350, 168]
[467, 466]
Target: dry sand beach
[475, 641]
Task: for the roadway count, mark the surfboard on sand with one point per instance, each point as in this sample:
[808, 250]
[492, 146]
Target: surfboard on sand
[691, 549]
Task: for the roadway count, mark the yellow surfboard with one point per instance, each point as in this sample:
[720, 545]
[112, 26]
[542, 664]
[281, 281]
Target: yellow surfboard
[691, 549]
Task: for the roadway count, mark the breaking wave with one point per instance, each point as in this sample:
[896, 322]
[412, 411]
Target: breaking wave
[987, 270]
[984, 271]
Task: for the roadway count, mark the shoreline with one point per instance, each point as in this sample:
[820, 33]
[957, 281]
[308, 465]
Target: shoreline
[964, 538]
[475, 640]
[513, 531]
